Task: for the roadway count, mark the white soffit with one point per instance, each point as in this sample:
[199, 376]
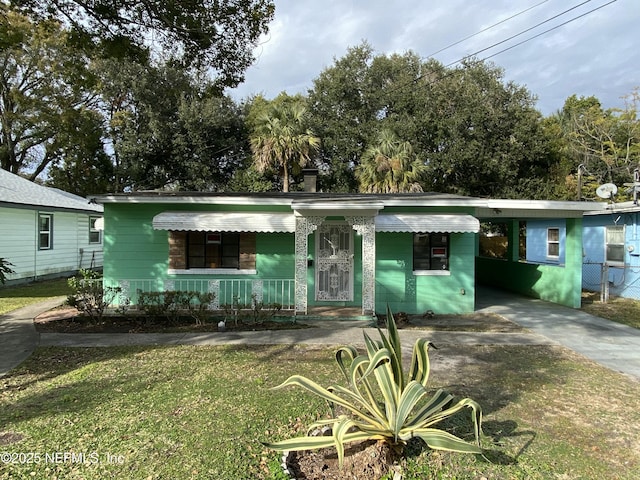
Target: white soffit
[263, 222]
[427, 223]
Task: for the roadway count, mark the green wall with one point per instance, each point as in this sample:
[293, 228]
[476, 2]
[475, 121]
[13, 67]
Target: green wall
[136, 251]
[397, 286]
[554, 283]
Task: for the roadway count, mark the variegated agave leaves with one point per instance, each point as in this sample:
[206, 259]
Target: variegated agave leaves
[383, 402]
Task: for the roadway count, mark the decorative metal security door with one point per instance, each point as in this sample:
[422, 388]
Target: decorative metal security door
[334, 262]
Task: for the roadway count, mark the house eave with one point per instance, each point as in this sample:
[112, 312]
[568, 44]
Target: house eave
[318, 203]
[623, 207]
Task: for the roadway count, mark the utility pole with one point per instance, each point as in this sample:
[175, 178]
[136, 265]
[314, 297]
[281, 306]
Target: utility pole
[581, 169]
[635, 186]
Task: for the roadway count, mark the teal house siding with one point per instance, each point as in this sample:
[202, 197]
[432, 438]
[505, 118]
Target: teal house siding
[274, 255]
[398, 286]
[140, 254]
[135, 250]
[142, 250]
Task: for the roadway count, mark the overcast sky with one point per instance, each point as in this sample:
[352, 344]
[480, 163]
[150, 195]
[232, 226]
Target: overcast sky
[597, 54]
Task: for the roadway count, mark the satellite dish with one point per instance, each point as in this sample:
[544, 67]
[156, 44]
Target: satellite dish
[606, 190]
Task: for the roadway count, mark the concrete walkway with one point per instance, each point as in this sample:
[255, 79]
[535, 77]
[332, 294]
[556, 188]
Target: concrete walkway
[18, 336]
[612, 345]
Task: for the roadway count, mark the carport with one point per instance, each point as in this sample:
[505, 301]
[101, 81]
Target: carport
[557, 283]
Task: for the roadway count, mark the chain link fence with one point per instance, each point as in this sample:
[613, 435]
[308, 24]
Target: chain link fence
[609, 280]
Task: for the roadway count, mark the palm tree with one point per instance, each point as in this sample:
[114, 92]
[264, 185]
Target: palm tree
[281, 140]
[390, 166]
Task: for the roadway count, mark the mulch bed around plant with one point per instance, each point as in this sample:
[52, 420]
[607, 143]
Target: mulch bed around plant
[67, 319]
[362, 461]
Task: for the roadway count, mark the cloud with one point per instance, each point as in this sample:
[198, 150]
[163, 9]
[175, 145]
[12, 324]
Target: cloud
[593, 55]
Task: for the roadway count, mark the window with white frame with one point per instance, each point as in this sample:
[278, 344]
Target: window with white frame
[45, 231]
[553, 242]
[94, 233]
[430, 251]
[614, 245]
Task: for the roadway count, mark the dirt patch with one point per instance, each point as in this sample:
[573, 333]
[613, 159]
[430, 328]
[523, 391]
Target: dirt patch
[7, 438]
[472, 322]
[362, 461]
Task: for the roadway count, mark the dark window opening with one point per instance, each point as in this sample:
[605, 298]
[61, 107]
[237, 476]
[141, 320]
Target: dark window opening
[213, 250]
[431, 251]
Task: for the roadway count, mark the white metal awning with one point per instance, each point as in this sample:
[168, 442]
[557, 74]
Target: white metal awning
[427, 223]
[263, 222]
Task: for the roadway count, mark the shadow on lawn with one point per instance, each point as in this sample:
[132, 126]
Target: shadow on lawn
[499, 430]
[494, 376]
[48, 363]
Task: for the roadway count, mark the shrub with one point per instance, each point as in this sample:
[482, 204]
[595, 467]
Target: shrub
[90, 296]
[5, 269]
[255, 313]
[174, 303]
[383, 402]
[200, 309]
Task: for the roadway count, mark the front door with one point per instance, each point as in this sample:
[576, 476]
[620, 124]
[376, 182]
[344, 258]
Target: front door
[334, 262]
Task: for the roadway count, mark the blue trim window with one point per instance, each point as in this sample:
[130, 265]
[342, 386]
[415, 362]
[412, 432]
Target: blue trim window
[45, 231]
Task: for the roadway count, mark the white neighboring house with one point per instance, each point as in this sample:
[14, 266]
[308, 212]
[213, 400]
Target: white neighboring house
[46, 232]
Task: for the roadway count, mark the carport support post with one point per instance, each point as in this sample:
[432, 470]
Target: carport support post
[573, 259]
[513, 240]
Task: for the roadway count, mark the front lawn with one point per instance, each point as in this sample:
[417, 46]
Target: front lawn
[14, 297]
[617, 309]
[187, 412]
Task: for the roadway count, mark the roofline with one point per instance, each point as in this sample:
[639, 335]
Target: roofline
[188, 199]
[624, 207]
[350, 201]
[50, 208]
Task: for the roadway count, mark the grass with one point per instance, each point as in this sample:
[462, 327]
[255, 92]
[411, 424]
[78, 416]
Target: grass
[12, 298]
[186, 412]
[617, 309]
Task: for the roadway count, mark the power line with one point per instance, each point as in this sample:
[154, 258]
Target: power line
[529, 29]
[419, 77]
[549, 30]
[485, 29]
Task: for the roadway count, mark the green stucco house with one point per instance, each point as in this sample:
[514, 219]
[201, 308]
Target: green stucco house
[413, 252]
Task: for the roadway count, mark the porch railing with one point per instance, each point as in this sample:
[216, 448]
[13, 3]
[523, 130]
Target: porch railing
[232, 292]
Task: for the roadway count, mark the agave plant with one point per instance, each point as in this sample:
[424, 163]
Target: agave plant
[383, 402]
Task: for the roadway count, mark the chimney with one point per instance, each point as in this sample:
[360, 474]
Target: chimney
[310, 179]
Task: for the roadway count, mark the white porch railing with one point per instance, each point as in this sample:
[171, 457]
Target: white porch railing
[227, 291]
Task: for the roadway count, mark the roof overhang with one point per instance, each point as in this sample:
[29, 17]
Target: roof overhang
[427, 223]
[263, 222]
[339, 206]
[611, 208]
[526, 209]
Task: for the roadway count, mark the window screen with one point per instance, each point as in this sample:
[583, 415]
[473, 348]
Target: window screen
[431, 251]
[615, 244]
